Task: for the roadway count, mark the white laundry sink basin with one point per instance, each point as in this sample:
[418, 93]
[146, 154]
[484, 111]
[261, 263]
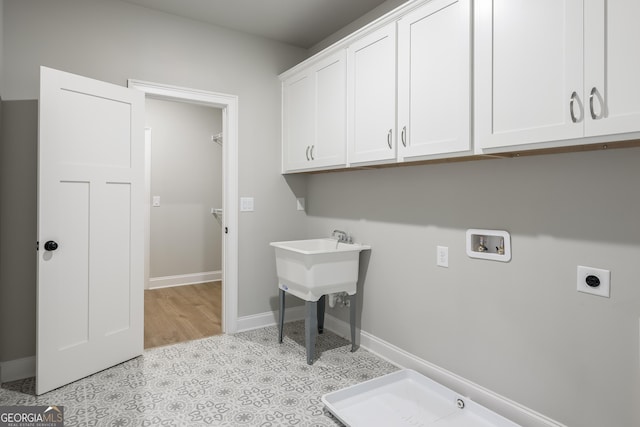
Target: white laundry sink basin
[312, 268]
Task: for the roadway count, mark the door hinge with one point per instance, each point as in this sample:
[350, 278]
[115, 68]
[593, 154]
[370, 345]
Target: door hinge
[226, 230]
[37, 246]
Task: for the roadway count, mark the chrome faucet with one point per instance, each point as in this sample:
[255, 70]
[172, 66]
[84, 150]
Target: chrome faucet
[341, 236]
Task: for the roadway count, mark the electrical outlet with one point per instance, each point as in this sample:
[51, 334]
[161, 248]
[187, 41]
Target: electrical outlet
[442, 256]
[156, 201]
[594, 281]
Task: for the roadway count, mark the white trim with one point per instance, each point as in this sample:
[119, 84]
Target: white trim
[184, 279]
[17, 369]
[499, 404]
[485, 397]
[147, 207]
[270, 318]
[229, 105]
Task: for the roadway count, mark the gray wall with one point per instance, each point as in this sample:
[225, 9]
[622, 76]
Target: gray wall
[1, 44]
[113, 41]
[2, 291]
[186, 173]
[19, 140]
[520, 328]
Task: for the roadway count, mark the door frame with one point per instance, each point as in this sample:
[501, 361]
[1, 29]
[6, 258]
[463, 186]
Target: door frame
[229, 105]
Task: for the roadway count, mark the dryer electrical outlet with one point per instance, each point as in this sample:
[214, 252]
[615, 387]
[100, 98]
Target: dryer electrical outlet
[594, 281]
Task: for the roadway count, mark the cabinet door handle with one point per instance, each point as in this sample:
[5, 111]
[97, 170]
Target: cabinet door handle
[307, 153]
[574, 95]
[591, 96]
[389, 135]
[312, 147]
[404, 136]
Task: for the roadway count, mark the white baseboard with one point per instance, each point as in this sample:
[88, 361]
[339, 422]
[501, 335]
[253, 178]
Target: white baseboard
[17, 369]
[493, 401]
[269, 318]
[184, 279]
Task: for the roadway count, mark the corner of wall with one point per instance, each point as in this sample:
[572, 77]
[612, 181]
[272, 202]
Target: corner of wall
[13, 370]
[18, 176]
[382, 9]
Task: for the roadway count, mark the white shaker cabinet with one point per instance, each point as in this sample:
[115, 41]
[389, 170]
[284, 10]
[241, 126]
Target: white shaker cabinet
[528, 79]
[612, 67]
[297, 121]
[397, 90]
[314, 116]
[434, 79]
[556, 72]
[371, 97]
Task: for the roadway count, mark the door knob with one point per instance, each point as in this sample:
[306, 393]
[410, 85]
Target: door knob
[50, 246]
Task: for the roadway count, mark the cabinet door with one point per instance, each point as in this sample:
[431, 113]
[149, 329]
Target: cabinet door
[434, 86]
[612, 66]
[371, 98]
[330, 144]
[528, 71]
[297, 121]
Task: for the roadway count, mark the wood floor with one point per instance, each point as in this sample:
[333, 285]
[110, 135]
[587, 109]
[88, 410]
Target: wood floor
[182, 313]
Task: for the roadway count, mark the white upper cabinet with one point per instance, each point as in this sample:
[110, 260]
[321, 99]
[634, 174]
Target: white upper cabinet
[528, 71]
[314, 116]
[434, 79]
[548, 71]
[297, 121]
[612, 66]
[541, 74]
[371, 97]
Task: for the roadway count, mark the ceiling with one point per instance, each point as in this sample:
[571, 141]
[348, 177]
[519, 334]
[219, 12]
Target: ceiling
[301, 23]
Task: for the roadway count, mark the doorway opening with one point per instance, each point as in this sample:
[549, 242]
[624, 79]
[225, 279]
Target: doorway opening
[228, 212]
[184, 146]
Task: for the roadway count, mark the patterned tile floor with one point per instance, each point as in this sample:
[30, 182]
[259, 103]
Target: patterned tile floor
[245, 379]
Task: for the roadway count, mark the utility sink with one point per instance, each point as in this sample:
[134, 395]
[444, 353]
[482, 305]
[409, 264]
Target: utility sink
[312, 268]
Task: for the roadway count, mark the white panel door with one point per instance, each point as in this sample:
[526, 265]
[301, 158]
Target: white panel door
[90, 203]
[528, 66]
[434, 79]
[612, 66]
[371, 97]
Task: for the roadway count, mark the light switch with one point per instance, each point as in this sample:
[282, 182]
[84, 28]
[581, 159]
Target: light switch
[156, 201]
[246, 204]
